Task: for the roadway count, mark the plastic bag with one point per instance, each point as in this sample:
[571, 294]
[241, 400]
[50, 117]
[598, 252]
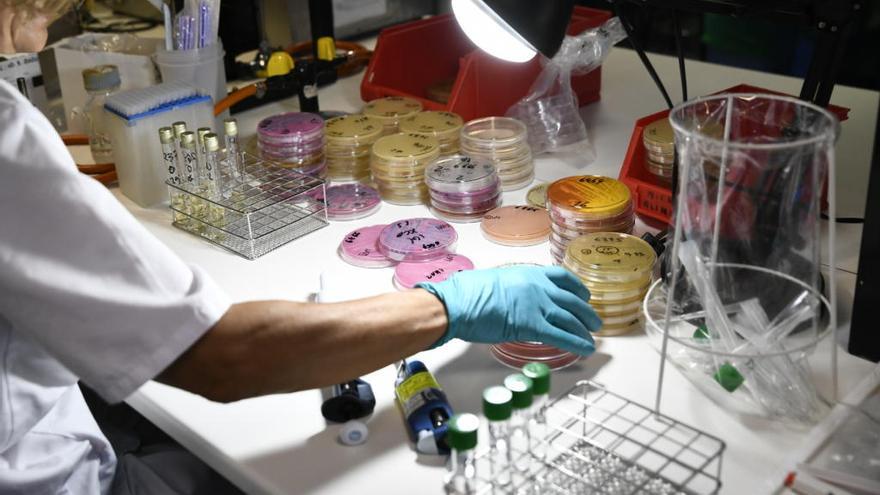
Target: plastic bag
[550, 110]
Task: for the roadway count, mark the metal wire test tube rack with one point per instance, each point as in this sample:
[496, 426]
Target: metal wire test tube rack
[601, 443]
[260, 208]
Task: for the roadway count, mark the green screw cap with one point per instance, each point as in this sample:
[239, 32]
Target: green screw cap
[728, 377]
[462, 432]
[521, 388]
[701, 333]
[497, 403]
[540, 375]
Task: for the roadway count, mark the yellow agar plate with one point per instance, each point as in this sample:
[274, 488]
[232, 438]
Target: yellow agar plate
[439, 124]
[537, 196]
[591, 195]
[392, 108]
[352, 127]
[659, 134]
[611, 252]
[402, 145]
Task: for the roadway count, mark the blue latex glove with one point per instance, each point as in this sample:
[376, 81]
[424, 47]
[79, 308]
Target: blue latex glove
[518, 303]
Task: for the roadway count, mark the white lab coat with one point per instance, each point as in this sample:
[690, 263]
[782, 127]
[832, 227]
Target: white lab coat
[86, 293]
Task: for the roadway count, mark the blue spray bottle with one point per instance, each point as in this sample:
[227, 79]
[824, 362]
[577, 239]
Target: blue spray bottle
[424, 406]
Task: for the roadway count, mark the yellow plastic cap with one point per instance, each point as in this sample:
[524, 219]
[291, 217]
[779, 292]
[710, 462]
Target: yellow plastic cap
[326, 48]
[280, 63]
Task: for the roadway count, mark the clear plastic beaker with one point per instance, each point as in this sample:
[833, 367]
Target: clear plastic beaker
[742, 291]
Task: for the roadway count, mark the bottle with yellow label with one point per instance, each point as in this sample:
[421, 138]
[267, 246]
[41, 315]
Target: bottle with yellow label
[424, 406]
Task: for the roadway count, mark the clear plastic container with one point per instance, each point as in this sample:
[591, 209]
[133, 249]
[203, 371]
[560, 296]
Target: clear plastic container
[100, 82]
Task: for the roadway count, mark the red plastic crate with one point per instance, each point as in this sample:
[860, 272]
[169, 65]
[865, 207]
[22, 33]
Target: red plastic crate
[410, 57]
[652, 198]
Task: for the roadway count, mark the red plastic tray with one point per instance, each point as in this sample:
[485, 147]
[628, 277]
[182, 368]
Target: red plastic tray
[652, 198]
[411, 57]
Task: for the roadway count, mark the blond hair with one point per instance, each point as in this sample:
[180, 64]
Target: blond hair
[49, 8]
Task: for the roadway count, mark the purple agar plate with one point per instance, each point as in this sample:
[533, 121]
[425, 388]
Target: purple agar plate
[359, 248]
[407, 275]
[417, 239]
[290, 128]
[348, 201]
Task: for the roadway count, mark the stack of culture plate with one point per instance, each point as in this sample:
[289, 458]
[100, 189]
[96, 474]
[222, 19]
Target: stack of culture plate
[584, 204]
[294, 140]
[408, 274]
[518, 354]
[417, 240]
[349, 201]
[659, 143]
[504, 141]
[462, 188]
[445, 127]
[391, 110]
[398, 165]
[349, 140]
[617, 268]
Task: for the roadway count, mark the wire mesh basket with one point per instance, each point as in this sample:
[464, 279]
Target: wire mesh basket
[600, 443]
[258, 210]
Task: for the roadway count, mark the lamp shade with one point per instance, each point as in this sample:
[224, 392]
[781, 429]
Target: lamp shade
[514, 30]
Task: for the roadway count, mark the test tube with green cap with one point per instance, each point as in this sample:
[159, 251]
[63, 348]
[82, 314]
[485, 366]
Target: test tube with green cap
[461, 474]
[520, 387]
[497, 408]
[540, 375]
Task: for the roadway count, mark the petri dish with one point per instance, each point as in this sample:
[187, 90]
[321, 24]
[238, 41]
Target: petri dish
[352, 130]
[658, 136]
[537, 195]
[407, 275]
[588, 197]
[604, 308]
[610, 257]
[444, 126]
[511, 356]
[417, 239]
[348, 201]
[405, 148]
[390, 110]
[463, 215]
[493, 133]
[609, 330]
[290, 128]
[360, 248]
[460, 173]
[516, 225]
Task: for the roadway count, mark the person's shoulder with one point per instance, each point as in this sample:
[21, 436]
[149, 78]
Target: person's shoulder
[14, 107]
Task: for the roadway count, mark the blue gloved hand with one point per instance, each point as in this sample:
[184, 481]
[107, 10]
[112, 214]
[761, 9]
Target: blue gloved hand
[518, 303]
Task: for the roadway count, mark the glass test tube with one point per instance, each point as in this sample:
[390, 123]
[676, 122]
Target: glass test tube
[215, 184]
[461, 474]
[179, 128]
[497, 408]
[200, 139]
[190, 159]
[234, 160]
[520, 387]
[539, 373]
[172, 169]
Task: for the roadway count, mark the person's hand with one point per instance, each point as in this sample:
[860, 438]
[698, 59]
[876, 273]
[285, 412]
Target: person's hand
[518, 303]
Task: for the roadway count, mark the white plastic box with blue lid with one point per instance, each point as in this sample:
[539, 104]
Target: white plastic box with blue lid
[134, 118]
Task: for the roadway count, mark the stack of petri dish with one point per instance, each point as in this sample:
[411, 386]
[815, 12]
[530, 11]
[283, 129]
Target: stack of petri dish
[398, 165]
[407, 275]
[391, 110]
[617, 268]
[349, 201]
[504, 141]
[518, 354]
[537, 195]
[349, 139]
[659, 143]
[417, 240]
[445, 127]
[294, 140]
[360, 247]
[584, 204]
[516, 225]
[462, 188]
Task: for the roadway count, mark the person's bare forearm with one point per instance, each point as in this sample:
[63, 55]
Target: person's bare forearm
[268, 347]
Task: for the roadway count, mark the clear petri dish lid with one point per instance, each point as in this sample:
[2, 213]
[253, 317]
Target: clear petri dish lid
[348, 201]
[460, 173]
[406, 147]
[291, 127]
[357, 129]
[417, 239]
[445, 126]
[493, 132]
[391, 109]
[611, 255]
[589, 196]
[360, 248]
[554, 358]
[516, 223]
[407, 274]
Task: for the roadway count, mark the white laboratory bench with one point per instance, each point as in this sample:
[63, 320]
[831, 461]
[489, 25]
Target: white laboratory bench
[281, 443]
